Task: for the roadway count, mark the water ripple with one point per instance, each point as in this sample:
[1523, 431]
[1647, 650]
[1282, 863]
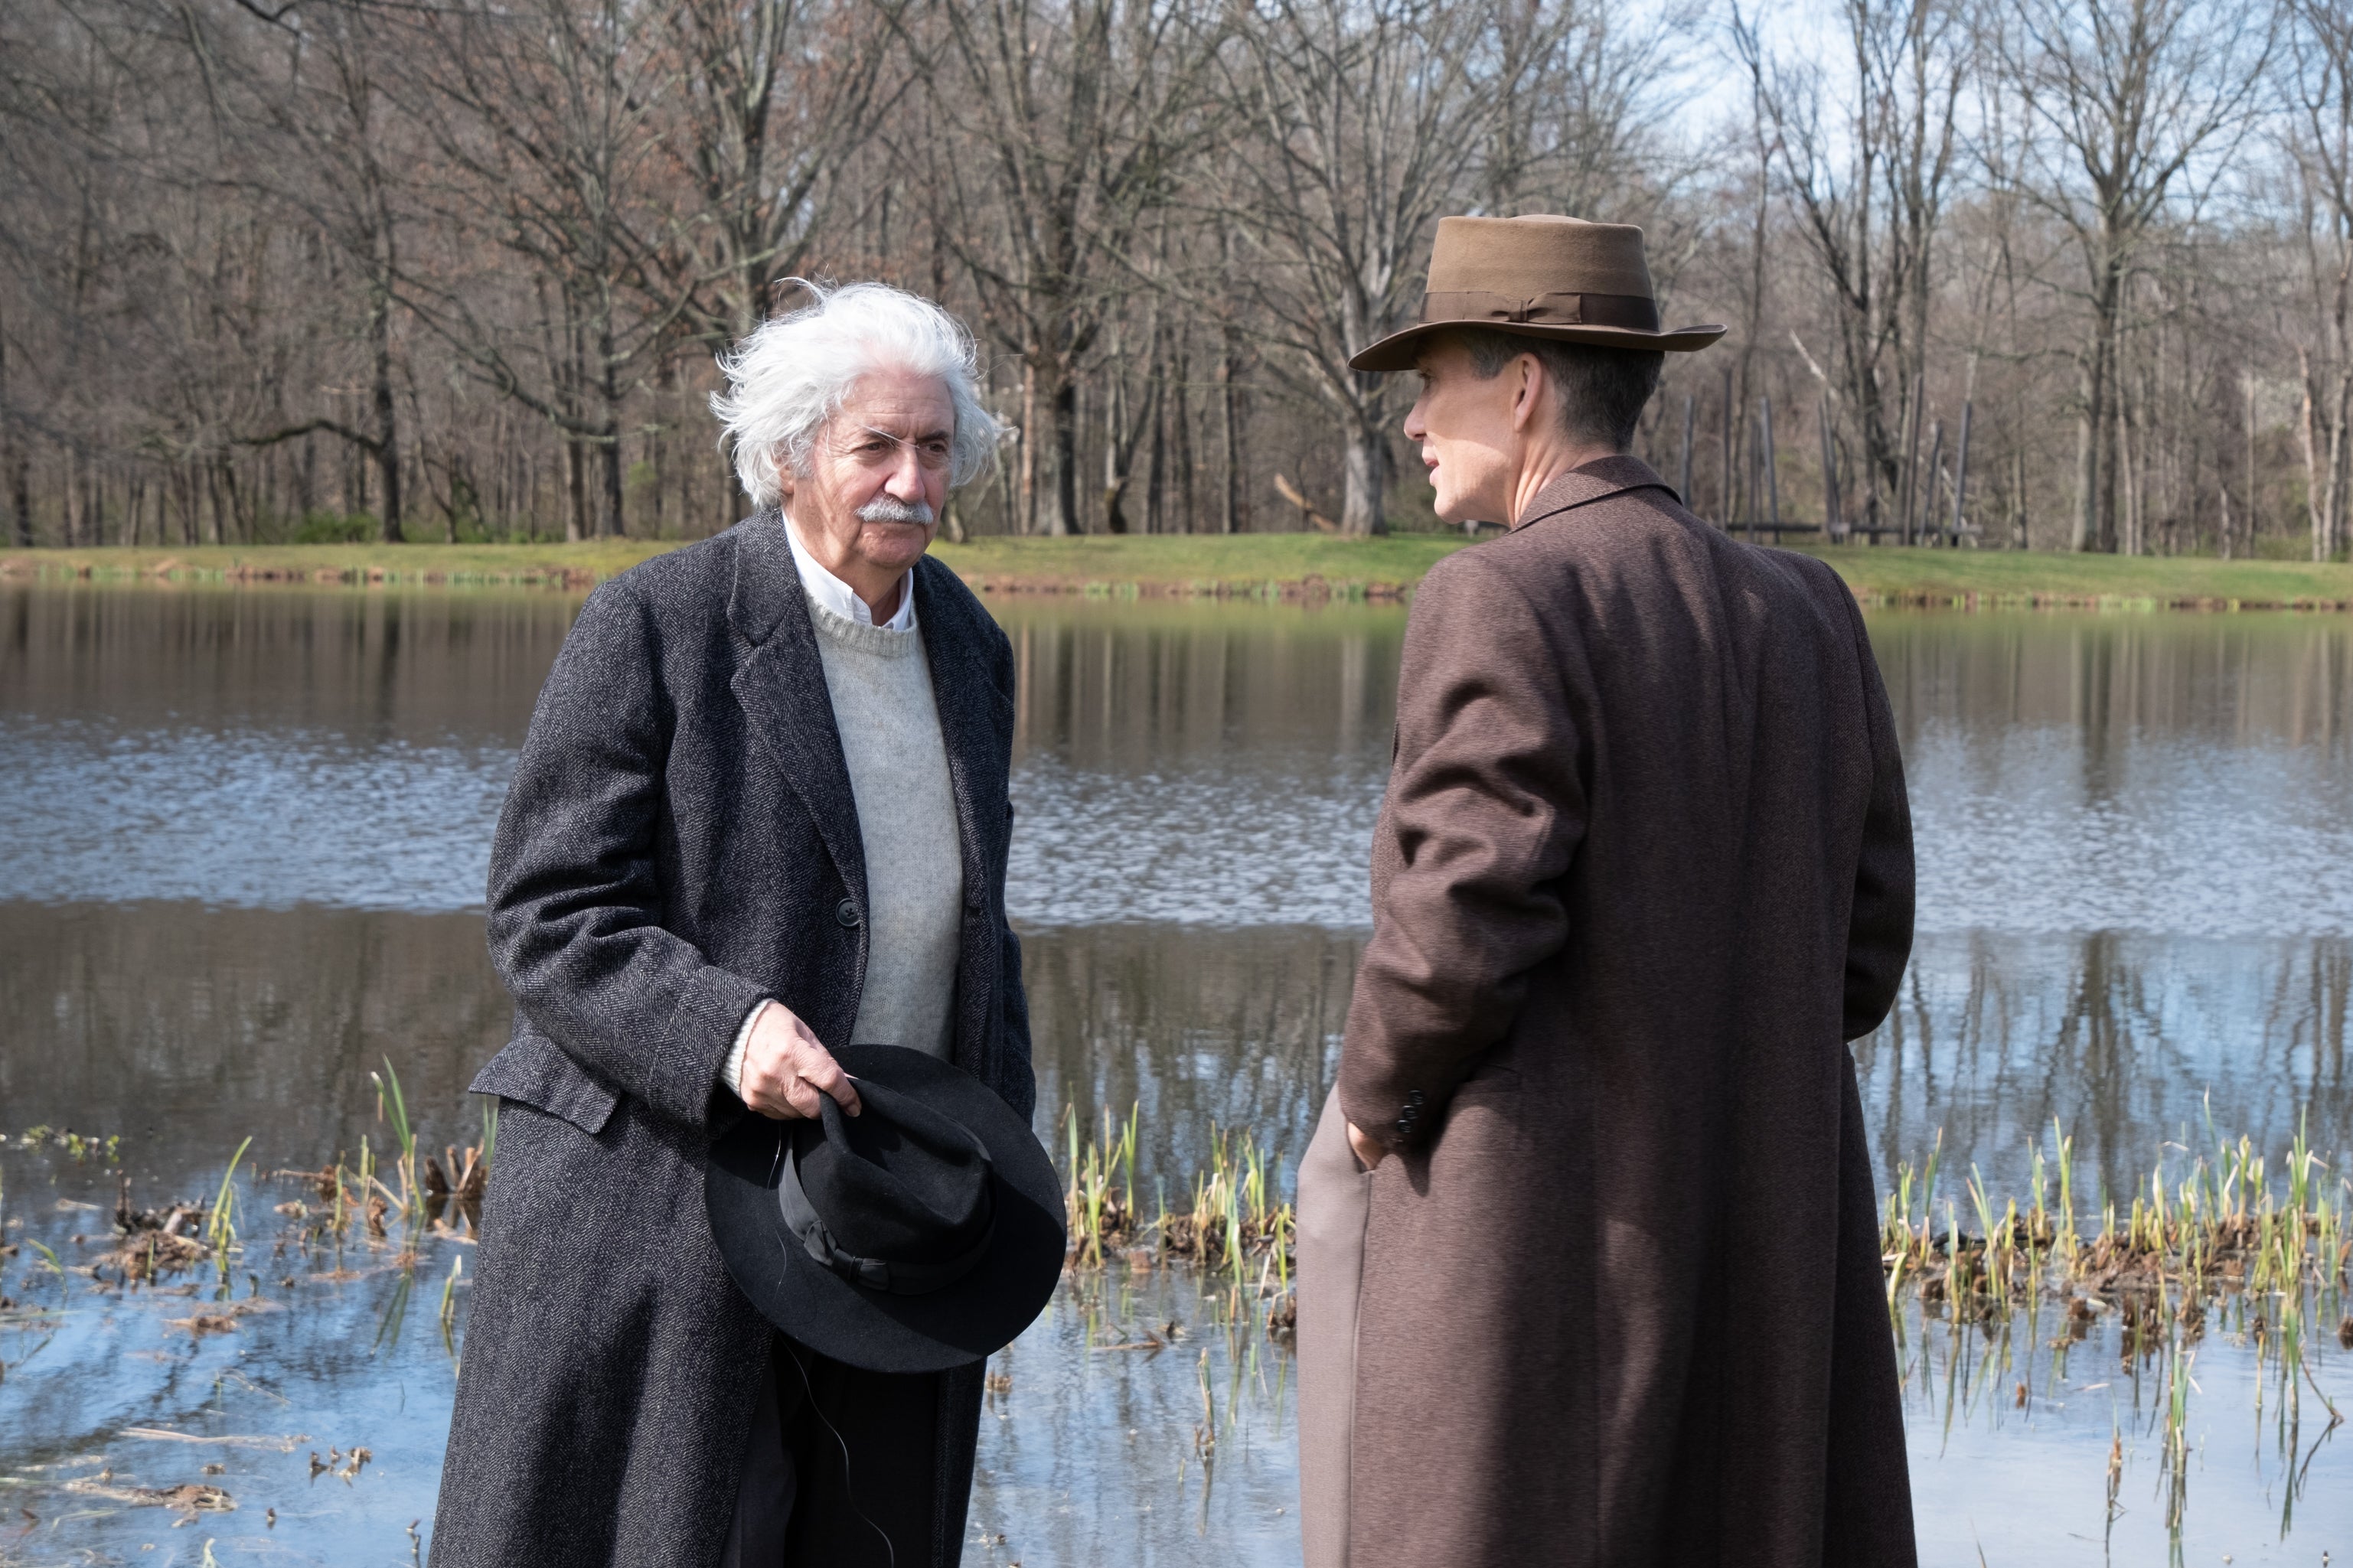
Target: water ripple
[255, 818]
[2021, 829]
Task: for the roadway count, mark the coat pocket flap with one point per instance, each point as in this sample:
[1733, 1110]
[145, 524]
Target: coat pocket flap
[534, 1070]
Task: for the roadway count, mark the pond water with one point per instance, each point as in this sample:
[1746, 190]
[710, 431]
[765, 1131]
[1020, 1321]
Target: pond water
[246, 839]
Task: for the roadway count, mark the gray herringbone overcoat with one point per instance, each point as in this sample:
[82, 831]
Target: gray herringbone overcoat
[681, 840]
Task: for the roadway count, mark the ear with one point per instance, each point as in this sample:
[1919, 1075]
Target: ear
[1528, 398]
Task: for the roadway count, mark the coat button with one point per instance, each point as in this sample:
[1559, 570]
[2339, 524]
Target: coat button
[1414, 1100]
[846, 913]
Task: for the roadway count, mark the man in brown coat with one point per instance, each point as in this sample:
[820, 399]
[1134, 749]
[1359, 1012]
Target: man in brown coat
[1590, 1269]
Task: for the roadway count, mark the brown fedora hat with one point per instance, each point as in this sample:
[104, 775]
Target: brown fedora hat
[1540, 275]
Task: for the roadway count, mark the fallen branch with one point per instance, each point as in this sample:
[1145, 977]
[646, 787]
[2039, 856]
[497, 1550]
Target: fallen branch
[1289, 492]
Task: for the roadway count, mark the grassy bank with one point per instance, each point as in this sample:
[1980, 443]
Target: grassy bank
[1916, 576]
[1253, 565]
[569, 565]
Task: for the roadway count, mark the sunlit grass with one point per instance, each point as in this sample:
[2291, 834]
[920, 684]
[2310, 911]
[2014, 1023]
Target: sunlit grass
[1235, 566]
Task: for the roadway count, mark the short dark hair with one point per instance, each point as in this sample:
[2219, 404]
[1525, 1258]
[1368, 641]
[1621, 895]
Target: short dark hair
[1603, 391]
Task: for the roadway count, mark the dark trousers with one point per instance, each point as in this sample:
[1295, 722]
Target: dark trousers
[839, 1459]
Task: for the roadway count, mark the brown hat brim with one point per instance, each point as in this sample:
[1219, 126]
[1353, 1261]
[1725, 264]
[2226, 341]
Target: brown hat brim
[1398, 351]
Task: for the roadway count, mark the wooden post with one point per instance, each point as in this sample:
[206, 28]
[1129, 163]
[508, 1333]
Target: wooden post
[1772, 471]
[1833, 526]
[1690, 412]
[1961, 473]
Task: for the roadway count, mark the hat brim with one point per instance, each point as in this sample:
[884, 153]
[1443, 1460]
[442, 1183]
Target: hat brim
[1398, 351]
[955, 1326]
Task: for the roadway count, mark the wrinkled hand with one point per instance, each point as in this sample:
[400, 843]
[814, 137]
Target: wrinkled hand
[786, 1068]
[1370, 1153]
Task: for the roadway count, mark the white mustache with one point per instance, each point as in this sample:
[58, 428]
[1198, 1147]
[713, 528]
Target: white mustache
[889, 509]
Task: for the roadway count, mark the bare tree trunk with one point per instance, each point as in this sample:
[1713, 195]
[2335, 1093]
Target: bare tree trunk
[1727, 495]
[1691, 412]
[575, 492]
[387, 443]
[1157, 459]
[21, 488]
[609, 525]
[74, 497]
[1063, 399]
[1188, 494]
[1028, 520]
[1231, 511]
[2318, 503]
[2089, 470]
[1833, 525]
[2254, 515]
[1360, 503]
[1962, 476]
[2129, 543]
[12, 451]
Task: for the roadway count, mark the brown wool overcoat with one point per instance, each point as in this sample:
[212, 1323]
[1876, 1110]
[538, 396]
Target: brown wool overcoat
[1645, 865]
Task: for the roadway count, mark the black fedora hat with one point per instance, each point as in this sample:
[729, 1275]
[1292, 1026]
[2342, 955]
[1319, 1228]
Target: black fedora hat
[923, 1234]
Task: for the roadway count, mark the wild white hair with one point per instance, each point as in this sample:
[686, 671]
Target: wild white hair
[792, 375]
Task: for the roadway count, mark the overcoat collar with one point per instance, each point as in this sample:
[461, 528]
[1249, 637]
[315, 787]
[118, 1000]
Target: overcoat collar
[781, 686]
[1589, 482]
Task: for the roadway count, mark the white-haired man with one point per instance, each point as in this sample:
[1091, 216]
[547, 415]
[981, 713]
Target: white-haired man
[761, 811]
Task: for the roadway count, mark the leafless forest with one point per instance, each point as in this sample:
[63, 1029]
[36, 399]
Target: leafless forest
[2059, 273]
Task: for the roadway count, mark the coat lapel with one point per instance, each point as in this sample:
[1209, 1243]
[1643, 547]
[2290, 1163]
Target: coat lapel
[781, 686]
[1593, 481]
[962, 693]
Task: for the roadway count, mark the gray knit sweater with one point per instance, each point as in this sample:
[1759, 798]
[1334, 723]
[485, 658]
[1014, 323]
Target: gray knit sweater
[881, 683]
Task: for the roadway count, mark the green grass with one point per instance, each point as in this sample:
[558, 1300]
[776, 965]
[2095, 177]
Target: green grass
[1202, 561]
[1244, 565]
[2055, 578]
[577, 566]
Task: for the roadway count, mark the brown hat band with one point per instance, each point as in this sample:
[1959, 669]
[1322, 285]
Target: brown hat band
[1633, 313]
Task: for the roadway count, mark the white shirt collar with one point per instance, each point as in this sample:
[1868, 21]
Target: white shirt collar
[841, 598]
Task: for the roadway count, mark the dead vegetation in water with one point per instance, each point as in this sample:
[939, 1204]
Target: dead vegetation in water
[385, 1207]
[186, 1501]
[2217, 1224]
[2220, 1242]
[1231, 1221]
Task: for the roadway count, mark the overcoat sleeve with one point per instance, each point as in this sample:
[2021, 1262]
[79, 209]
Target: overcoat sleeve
[575, 905]
[1484, 813]
[1879, 925]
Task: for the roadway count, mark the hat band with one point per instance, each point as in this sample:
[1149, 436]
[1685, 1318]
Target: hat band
[873, 1273]
[1631, 312]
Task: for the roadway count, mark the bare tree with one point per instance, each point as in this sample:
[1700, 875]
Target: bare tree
[296, 85]
[1081, 114]
[2320, 150]
[773, 95]
[273, 269]
[545, 116]
[2137, 103]
[1368, 123]
[1868, 180]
